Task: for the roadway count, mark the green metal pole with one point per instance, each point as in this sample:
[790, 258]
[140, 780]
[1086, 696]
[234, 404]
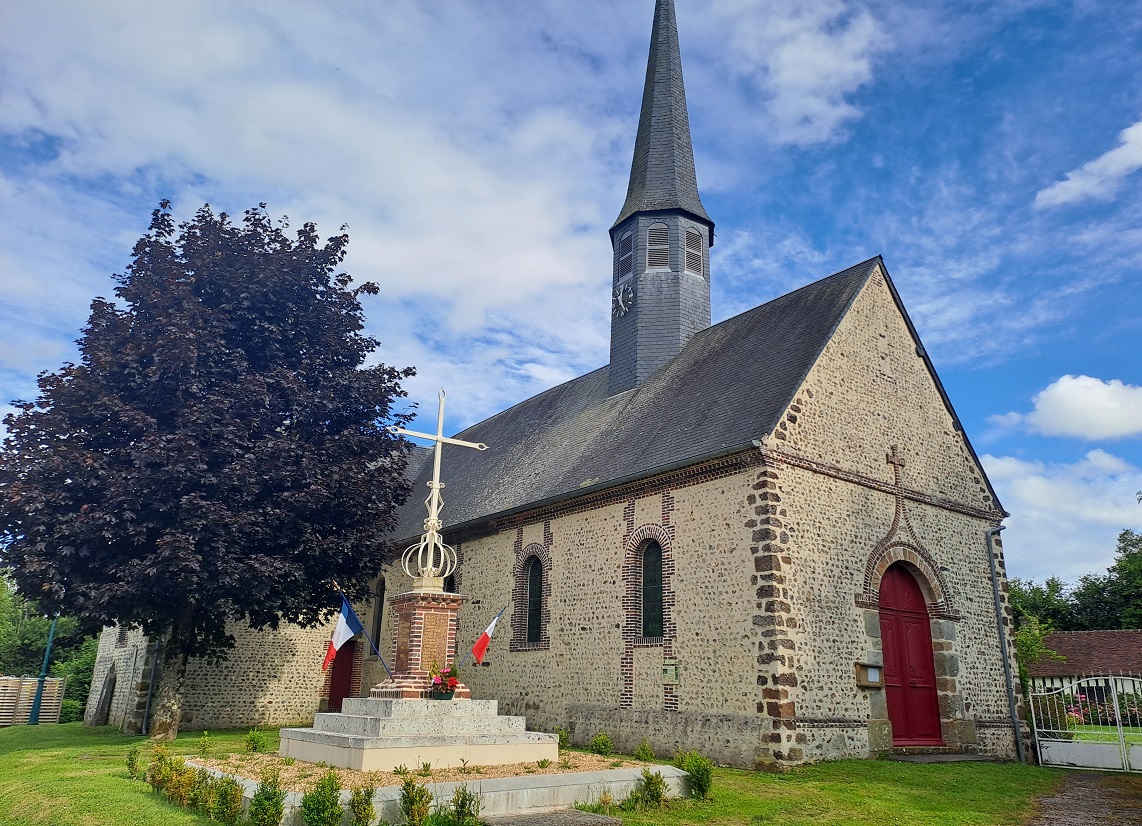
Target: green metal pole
[34, 717]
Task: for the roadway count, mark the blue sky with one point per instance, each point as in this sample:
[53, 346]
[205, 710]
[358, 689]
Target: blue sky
[478, 151]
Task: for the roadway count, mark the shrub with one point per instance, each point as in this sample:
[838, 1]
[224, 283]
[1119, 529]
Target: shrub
[415, 802]
[202, 795]
[465, 807]
[134, 765]
[361, 805]
[644, 752]
[268, 804]
[227, 805]
[322, 805]
[543, 764]
[425, 770]
[159, 770]
[180, 782]
[70, 711]
[602, 744]
[202, 744]
[699, 768]
[652, 791]
[257, 741]
[564, 737]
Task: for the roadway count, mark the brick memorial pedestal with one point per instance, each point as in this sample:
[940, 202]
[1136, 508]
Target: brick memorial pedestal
[399, 724]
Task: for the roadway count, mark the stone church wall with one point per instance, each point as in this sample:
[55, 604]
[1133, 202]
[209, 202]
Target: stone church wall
[868, 399]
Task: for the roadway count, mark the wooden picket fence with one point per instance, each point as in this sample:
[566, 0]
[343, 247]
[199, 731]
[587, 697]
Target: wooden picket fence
[17, 695]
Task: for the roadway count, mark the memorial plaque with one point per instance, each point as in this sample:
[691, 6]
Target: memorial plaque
[401, 664]
[434, 645]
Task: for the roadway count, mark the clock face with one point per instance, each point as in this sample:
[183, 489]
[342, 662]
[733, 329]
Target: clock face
[621, 300]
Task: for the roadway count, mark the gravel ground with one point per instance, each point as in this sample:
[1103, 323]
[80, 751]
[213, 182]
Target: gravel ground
[1093, 799]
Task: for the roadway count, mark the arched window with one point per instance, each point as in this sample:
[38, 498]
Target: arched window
[693, 252]
[658, 247]
[626, 253]
[450, 584]
[534, 600]
[652, 590]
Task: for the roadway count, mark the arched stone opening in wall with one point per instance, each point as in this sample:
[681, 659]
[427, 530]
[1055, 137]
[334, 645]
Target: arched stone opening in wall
[657, 539]
[909, 668]
[525, 610]
[928, 577]
[106, 694]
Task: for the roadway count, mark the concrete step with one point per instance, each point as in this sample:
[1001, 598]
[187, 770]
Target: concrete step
[373, 707]
[459, 724]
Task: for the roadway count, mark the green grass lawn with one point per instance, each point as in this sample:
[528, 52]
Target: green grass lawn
[866, 792]
[1106, 733]
[66, 775]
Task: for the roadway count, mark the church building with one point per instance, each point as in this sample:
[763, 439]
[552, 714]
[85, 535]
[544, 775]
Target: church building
[767, 539]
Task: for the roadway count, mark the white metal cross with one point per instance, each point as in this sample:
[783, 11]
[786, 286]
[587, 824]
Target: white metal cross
[434, 559]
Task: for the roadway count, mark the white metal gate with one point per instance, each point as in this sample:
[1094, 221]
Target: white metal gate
[1089, 722]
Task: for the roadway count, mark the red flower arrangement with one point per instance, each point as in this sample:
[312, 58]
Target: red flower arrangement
[443, 680]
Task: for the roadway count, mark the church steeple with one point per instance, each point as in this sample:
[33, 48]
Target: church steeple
[662, 174]
[662, 237]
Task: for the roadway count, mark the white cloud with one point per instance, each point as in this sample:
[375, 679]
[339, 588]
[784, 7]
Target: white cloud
[806, 60]
[1081, 406]
[1098, 179]
[1064, 517]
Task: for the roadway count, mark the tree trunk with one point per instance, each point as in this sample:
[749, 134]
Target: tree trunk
[166, 707]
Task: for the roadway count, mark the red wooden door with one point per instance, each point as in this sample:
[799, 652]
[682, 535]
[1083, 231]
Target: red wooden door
[341, 679]
[909, 675]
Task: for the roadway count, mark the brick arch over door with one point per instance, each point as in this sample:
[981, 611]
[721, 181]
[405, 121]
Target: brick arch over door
[519, 599]
[920, 562]
[639, 538]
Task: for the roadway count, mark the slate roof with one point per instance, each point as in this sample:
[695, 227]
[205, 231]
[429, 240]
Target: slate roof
[727, 387]
[662, 173]
[1091, 653]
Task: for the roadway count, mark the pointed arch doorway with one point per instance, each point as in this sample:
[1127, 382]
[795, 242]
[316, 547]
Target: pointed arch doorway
[909, 672]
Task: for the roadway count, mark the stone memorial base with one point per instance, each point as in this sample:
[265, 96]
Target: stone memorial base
[372, 734]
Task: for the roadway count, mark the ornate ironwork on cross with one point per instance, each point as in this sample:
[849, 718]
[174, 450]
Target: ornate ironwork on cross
[433, 559]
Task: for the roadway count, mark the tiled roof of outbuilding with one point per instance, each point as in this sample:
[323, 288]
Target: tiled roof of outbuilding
[1091, 653]
[729, 386]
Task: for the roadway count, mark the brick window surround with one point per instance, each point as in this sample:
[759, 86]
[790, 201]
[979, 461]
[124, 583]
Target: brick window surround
[520, 572]
[632, 609]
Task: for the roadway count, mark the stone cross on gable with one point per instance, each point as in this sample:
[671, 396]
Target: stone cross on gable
[897, 463]
[433, 559]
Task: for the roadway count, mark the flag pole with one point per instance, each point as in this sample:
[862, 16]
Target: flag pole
[372, 644]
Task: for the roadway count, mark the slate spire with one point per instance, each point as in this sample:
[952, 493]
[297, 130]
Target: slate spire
[662, 174]
[660, 287]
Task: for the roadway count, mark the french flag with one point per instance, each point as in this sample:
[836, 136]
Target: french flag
[481, 646]
[348, 626]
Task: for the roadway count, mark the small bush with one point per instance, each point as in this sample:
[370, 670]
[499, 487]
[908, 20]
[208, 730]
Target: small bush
[401, 770]
[361, 805]
[425, 770]
[227, 805]
[159, 770]
[268, 803]
[415, 802]
[564, 737]
[202, 744]
[644, 752]
[71, 711]
[465, 808]
[699, 768]
[651, 792]
[322, 805]
[134, 764]
[257, 741]
[180, 783]
[202, 795]
[602, 744]
[543, 764]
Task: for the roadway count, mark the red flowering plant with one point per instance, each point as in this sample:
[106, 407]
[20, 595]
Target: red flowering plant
[443, 680]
